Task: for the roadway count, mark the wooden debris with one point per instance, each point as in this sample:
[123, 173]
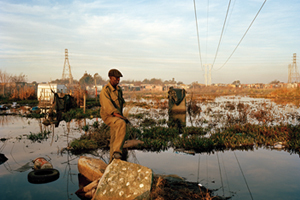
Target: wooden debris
[89, 190]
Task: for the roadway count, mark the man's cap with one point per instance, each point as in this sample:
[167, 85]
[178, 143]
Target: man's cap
[115, 73]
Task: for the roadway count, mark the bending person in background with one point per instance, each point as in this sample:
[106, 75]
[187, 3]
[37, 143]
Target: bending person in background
[111, 101]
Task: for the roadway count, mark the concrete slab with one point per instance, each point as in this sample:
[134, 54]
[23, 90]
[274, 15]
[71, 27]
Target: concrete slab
[124, 180]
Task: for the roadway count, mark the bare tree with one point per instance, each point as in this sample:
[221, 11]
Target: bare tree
[19, 78]
[4, 77]
[7, 89]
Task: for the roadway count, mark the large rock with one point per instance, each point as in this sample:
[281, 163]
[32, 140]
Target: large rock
[124, 180]
[91, 168]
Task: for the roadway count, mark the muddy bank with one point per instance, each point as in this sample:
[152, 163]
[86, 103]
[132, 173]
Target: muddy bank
[173, 187]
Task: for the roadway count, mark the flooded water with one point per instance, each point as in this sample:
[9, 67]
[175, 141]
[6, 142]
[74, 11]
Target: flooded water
[258, 174]
[21, 151]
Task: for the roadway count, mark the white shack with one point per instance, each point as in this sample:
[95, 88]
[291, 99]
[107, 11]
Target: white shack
[44, 91]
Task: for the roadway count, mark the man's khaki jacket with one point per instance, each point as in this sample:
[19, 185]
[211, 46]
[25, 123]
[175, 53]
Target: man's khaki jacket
[111, 101]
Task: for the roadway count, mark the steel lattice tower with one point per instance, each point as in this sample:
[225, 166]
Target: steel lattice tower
[207, 75]
[293, 71]
[67, 68]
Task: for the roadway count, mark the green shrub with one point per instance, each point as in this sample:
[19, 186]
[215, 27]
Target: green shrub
[83, 145]
[38, 136]
[148, 122]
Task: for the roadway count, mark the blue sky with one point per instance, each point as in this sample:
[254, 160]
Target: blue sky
[149, 39]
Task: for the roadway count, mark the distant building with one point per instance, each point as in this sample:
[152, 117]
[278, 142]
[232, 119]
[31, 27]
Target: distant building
[92, 88]
[126, 87]
[99, 88]
[44, 92]
[184, 86]
[292, 85]
[151, 87]
[135, 88]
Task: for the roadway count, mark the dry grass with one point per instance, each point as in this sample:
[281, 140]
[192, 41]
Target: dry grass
[286, 96]
[78, 94]
[192, 108]
[205, 94]
[126, 110]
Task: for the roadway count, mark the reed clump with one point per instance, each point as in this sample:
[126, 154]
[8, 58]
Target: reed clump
[38, 137]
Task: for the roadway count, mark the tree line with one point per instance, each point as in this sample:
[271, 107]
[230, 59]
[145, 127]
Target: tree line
[15, 87]
[90, 80]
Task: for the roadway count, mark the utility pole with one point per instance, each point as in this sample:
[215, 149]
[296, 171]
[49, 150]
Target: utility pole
[95, 76]
[67, 68]
[294, 76]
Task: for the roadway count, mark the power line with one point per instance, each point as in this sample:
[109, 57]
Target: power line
[244, 34]
[221, 33]
[232, 7]
[220, 174]
[243, 176]
[198, 172]
[207, 17]
[197, 33]
[206, 171]
[225, 173]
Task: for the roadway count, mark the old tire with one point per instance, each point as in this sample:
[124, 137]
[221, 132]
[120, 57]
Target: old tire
[43, 176]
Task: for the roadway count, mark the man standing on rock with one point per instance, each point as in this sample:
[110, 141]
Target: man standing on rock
[111, 101]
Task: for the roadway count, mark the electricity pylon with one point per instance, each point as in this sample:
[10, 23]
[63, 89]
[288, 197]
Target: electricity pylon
[67, 68]
[207, 75]
[293, 71]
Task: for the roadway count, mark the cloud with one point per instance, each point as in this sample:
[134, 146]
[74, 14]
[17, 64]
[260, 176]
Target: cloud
[148, 36]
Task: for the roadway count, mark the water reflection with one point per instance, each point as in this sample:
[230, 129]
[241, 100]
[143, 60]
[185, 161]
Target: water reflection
[3, 158]
[5, 120]
[177, 120]
[177, 108]
[268, 174]
[20, 152]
